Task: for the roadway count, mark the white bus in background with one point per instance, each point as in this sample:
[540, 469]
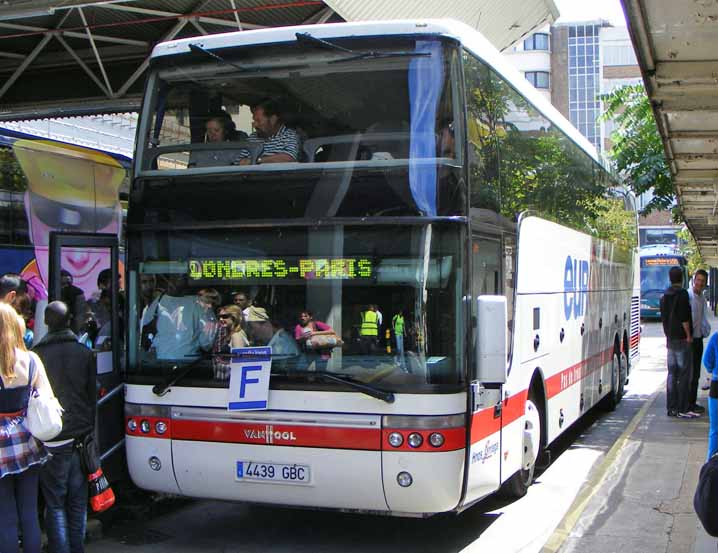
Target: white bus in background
[432, 180]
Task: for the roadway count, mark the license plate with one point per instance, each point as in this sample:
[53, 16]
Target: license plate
[272, 472]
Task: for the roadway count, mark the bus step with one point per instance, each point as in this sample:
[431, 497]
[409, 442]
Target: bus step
[544, 460]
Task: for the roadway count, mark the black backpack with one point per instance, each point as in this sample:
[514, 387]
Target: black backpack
[705, 501]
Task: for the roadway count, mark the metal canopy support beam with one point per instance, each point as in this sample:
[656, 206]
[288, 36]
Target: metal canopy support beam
[72, 34]
[236, 15]
[28, 60]
[322, 16]
[146, 62]
[97, 54]
[197, 26]
[160, 13]
[83, 65]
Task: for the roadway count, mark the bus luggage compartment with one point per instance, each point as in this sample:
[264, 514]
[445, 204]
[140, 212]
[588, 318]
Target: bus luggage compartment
[304, 459]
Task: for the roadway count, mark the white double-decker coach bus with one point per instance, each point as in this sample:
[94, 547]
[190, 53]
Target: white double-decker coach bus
[464, 245]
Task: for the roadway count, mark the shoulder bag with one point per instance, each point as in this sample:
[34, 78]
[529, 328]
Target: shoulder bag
[44, 413]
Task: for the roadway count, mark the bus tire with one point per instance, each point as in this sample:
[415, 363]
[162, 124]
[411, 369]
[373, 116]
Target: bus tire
[518, 484]
[611, 401]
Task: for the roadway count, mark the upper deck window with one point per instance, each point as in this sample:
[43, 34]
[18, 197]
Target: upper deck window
[372, 128]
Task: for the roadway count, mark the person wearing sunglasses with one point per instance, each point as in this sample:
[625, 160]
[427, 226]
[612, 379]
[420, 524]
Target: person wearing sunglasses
[230, 334]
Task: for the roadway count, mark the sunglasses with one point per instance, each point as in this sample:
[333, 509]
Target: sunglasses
[225, 316]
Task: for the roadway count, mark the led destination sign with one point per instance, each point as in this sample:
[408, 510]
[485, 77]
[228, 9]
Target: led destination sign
[282, 268]
[647, 262]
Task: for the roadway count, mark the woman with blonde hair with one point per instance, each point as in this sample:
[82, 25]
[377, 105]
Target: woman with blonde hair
[230, 335]
[21, 453]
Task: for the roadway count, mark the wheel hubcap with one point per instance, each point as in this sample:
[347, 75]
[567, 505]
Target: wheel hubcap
[532, 435]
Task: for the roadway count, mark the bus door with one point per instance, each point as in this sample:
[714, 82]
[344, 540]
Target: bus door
[75, 262]
[484, 458]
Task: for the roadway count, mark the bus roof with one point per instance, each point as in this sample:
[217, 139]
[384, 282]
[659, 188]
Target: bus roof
[449, 28]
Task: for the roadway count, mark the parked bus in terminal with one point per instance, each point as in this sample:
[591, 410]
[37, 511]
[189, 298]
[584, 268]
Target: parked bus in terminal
[656, 261]
[432, 183]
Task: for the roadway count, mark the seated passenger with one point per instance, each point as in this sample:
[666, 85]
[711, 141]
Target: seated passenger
[229, 335]
[445, 142]
[280, 144]
[219, 128]
[264, 332]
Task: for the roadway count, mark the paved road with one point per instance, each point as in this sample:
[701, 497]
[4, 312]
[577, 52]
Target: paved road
[211, 526]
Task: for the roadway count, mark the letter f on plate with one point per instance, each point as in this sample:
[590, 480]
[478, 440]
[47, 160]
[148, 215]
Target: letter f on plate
[246, 380]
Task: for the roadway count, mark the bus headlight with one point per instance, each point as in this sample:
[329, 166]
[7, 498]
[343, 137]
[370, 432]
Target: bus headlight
[436, 439]
[415, 439]
[132, 425]
[145, 426]
[404, 479]
[160, 427]
[395, 439]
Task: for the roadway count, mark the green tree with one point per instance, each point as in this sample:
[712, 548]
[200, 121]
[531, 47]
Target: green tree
[689, 249]
[637, 151]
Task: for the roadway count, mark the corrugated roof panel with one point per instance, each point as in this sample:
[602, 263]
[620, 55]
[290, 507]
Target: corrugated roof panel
[501, 23]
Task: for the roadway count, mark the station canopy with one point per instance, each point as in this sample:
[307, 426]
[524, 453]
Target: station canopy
[675, 43]
[70, 57]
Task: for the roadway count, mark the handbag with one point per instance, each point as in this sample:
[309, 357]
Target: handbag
[100, 494]
[323, 341]
[44, 413]
[704, 500]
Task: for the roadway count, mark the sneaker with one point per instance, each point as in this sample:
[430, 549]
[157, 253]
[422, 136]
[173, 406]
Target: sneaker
[672, 413]
[688, 415]
[698, 408]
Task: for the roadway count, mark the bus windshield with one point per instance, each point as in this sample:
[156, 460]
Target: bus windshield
[341, 134]
[378, 304]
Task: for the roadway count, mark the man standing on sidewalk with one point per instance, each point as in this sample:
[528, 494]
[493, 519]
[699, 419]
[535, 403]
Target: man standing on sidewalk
[676, 319]
[701, 329]
[72, 372]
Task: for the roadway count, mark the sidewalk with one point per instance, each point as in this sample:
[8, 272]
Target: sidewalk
[645, 501]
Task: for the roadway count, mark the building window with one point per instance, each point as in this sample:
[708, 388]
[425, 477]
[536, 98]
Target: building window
[537, 41]
[540, 79]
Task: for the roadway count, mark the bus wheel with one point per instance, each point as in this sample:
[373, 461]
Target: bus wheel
[611, 401]
[519, 483]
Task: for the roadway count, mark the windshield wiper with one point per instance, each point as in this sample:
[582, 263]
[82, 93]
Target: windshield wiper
[364, 388]
[306, 38]
[197, 48]
[176, 375]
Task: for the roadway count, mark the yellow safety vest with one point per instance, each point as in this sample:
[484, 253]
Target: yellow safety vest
[369, 324]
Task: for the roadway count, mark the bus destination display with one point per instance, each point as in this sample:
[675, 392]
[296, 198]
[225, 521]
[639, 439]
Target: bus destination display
[651, 261]
[285, 268]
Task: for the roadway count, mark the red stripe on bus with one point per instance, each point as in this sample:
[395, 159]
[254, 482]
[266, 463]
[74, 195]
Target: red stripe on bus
[484, 423]
[275, 434]
[575, 373]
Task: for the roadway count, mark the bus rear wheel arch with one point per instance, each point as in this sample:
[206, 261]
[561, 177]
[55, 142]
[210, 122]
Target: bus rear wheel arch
[619, 364]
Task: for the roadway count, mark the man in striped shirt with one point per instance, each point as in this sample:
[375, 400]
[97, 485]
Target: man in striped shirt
[280, 144]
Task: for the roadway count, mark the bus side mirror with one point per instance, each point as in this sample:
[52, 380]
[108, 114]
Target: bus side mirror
[491, 340]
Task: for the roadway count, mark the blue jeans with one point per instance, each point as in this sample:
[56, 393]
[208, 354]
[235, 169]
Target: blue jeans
[64, 485]
[679, 359]
[18, 504]
[400, 350]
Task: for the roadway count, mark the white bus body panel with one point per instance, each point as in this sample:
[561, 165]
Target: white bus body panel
[339, 479]
[437, 480]
[139, 451]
